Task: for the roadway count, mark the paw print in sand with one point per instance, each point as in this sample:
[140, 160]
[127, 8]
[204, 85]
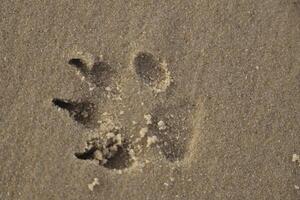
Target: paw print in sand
[127, 111]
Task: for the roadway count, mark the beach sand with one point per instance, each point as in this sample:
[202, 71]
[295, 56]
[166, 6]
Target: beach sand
[150, 100]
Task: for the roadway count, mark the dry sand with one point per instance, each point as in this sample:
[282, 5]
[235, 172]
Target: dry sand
[150, 100]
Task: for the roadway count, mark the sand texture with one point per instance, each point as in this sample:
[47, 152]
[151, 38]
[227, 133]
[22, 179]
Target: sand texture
[134, 100]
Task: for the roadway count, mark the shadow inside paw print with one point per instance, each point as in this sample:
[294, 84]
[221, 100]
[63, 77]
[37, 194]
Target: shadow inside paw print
[151, 71]
[116, 142]
[81, 112]
[171, 125]
[111, 152]
[147, 68]
[99, 74]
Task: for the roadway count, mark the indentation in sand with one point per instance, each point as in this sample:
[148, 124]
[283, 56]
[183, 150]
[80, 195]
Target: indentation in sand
[81, 112]
[151, 72]
[119, 140]
[110, 151]
[196, 126]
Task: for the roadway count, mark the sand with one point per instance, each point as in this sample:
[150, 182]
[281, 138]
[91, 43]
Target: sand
[149, 99]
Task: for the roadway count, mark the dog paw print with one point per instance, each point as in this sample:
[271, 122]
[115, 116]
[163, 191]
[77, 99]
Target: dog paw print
[127, 111]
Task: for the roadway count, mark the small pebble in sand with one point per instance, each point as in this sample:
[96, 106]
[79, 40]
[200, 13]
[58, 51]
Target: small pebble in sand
[110, 135]
[91, 86]
[118, 139]
[151, 140]
[295, 158]
[148, 119]
[93, 184]
[161, 125]
[132, 154]
[143, 131]
[296, 187]
[118, 98]
[121, 112]
[98, 155]
[108, 89]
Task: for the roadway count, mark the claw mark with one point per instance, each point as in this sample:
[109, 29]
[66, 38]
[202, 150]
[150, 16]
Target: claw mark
[99, 74]
[80, 65]
[111, 153]
[82, 112]
[88, 154]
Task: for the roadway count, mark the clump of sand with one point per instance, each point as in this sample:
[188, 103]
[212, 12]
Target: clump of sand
[148, 119]
[93, 184]
[151, 140]
[106, 148]
[296, 158]
[161, 125]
